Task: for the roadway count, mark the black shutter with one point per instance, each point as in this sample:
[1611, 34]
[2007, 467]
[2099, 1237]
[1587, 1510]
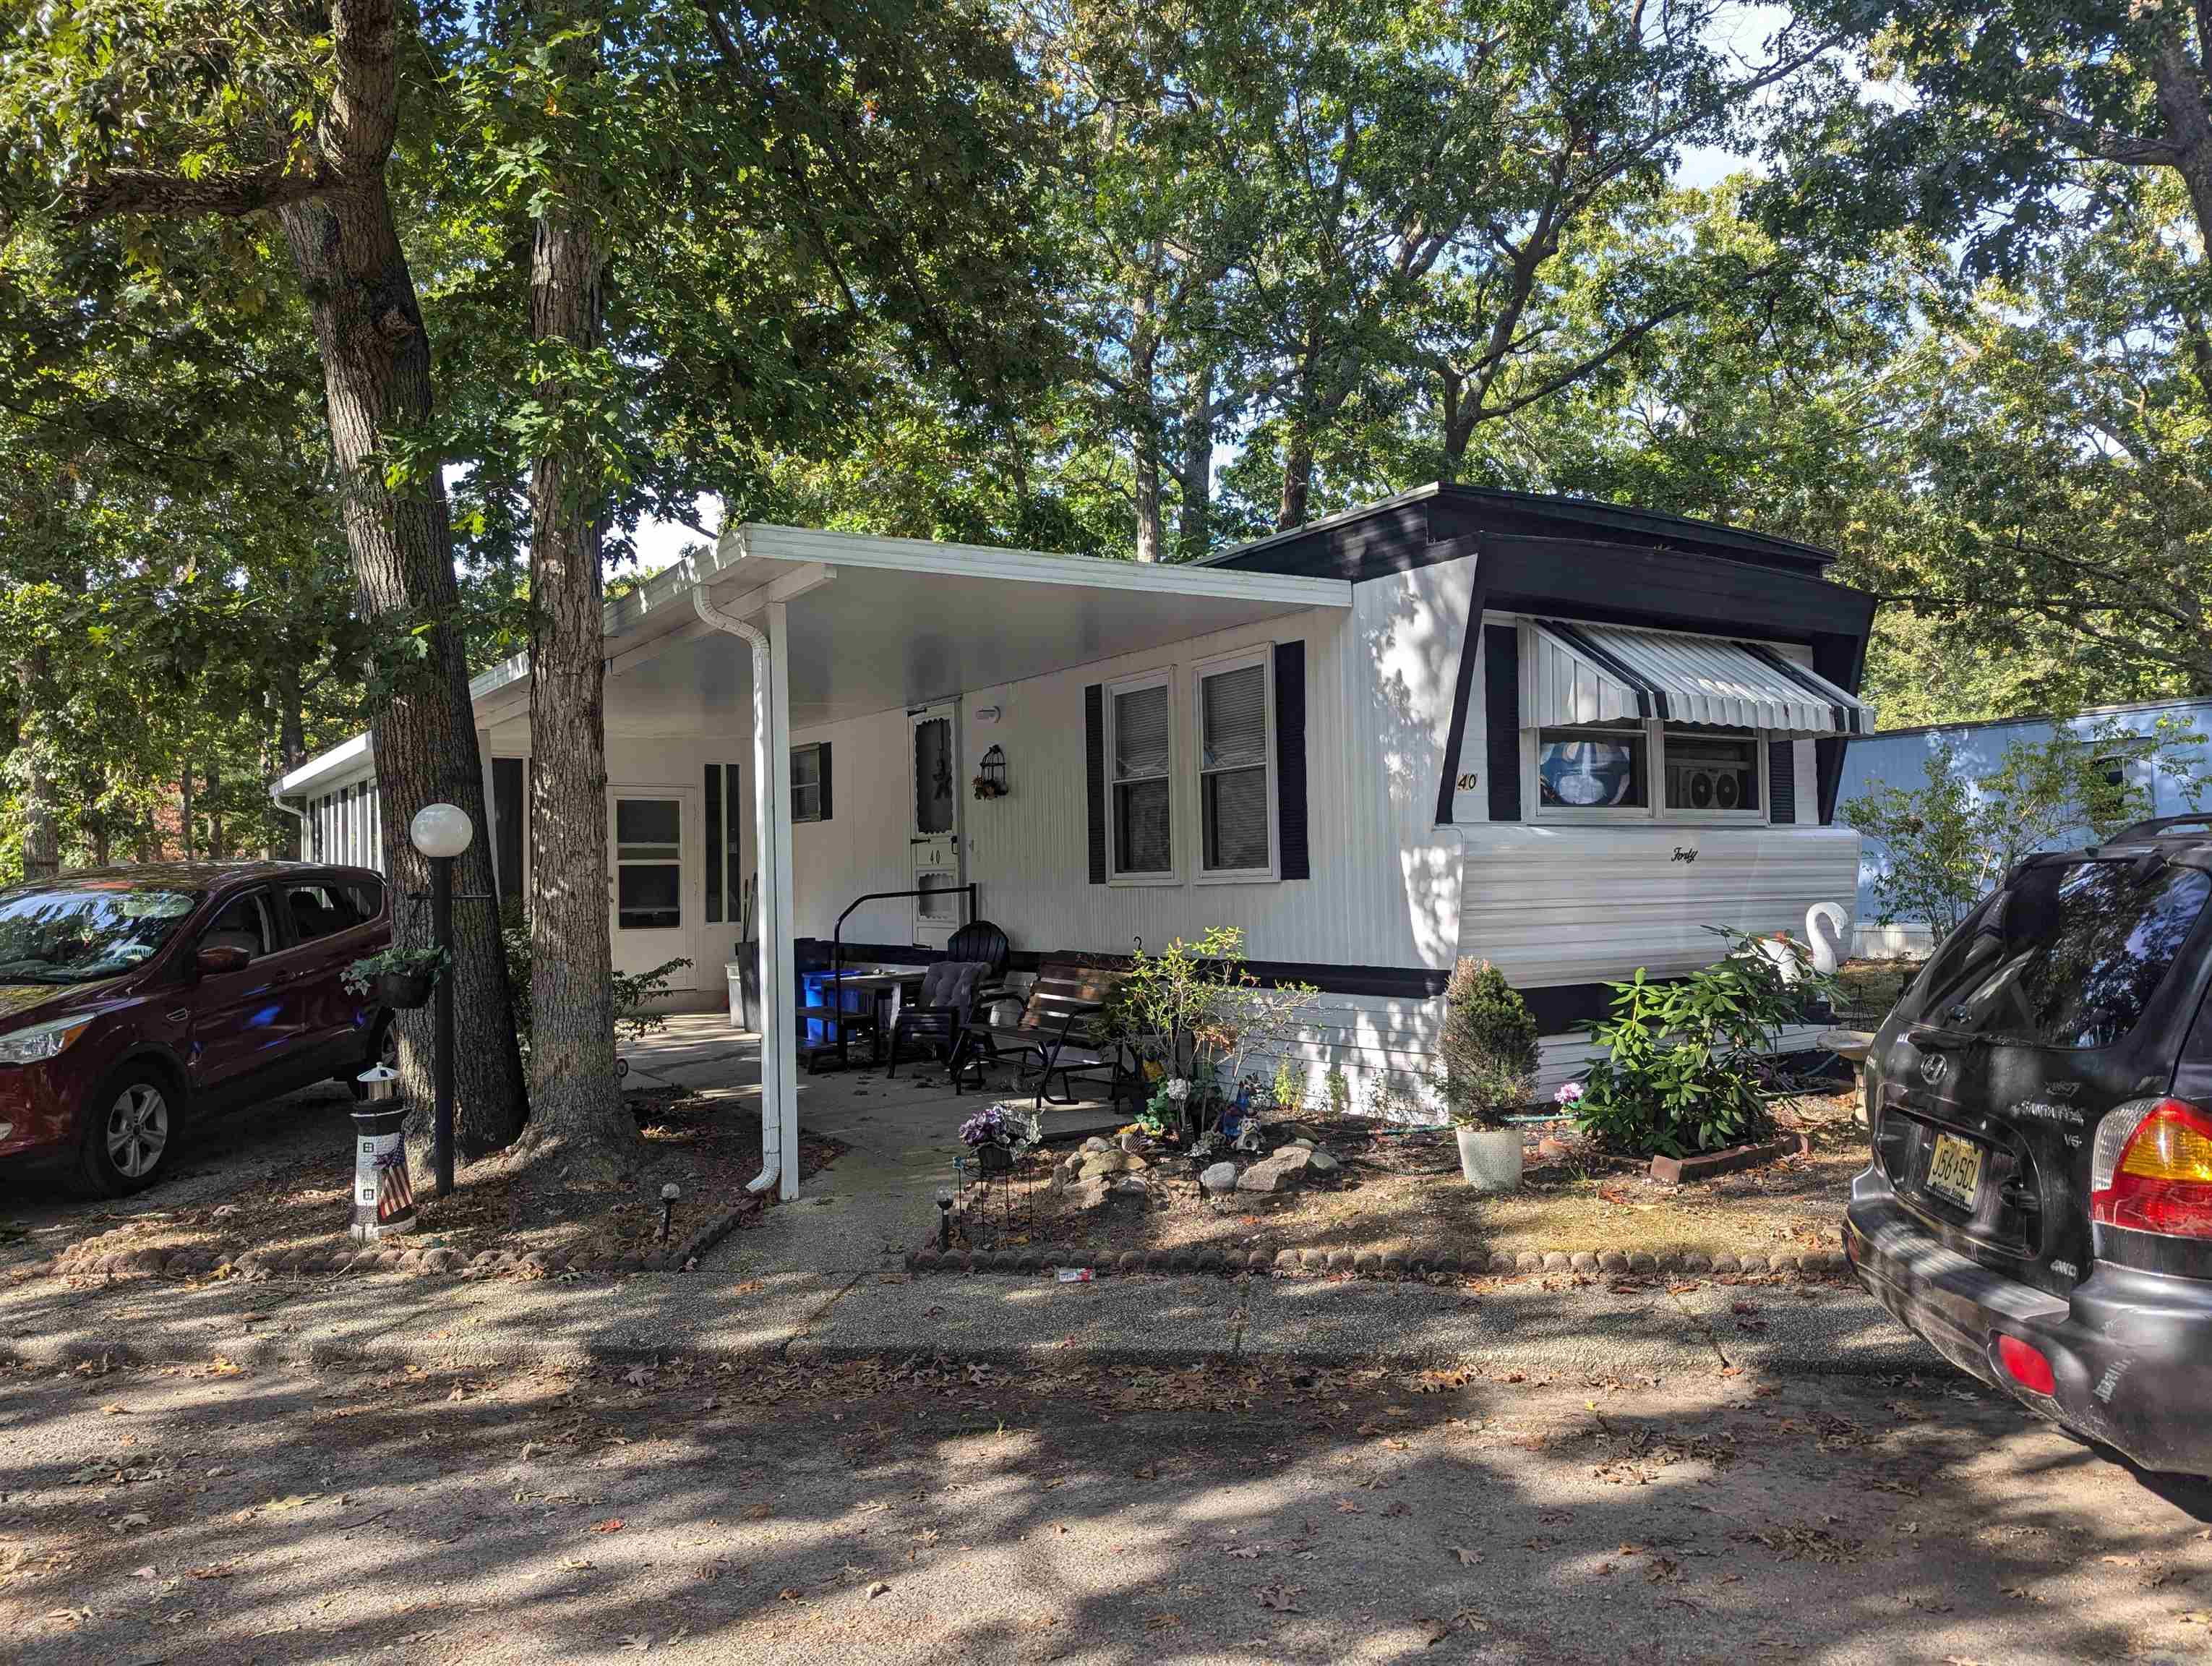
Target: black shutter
[1290, 758]
[1501, 702]
[1094, 764]
[506, 825]
[1782, 783]
[825, 750]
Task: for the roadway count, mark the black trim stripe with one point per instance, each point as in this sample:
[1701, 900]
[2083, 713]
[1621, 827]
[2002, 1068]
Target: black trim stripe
[1463, 688]
[1296, 855]
[1094, 775]
[1501, 740]
[1845, 718]
[1650, 698]
[1782, 783]
[1560, 1009]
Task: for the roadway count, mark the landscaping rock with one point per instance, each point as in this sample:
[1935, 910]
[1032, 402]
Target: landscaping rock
[1751, 1263]
[1095, 1144]
[1134, 1164]
[1321, 1166]
[1299, 1144]
[1725, 1262]
[1104, 1162]
[1501, 1262]
[1528, 1261]
[1286, 1261]
[1089, 1193]
[1612, 1261]
[1278, 1173]
[1583, 1261]
[1219, 1179]
[1556, 1261]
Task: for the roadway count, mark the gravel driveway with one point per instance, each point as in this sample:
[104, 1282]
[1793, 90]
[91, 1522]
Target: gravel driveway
[868, 1512]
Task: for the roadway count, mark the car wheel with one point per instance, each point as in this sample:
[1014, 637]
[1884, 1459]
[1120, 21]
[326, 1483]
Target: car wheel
[132, 1129]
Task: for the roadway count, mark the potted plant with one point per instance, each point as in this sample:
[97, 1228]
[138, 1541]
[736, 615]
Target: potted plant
[399, 978]
[1489, 1051]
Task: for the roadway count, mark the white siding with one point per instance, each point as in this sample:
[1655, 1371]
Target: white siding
[1384, 885]
[1565, 904]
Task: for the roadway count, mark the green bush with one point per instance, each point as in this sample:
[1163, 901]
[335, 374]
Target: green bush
[1681, 1070]
[632, 994]
[1489, 1045]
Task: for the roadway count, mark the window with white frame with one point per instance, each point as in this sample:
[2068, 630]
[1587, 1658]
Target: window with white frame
[1235, 832]
[806, 783]
[1141, 751]
[648, 864]
[1594, 768]
[1650, 770]
[1713, 771]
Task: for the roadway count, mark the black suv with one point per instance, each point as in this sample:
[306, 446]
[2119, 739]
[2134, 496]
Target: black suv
[2039, 1204]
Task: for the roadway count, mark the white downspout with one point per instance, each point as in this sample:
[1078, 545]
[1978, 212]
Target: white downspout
[277, 798]
[775, 1037]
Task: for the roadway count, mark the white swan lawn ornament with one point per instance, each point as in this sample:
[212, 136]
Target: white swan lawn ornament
[1827, 951]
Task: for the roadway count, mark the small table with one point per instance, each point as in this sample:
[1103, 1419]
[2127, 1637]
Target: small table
[884, 990]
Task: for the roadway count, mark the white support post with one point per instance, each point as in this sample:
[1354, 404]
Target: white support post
[778, 998]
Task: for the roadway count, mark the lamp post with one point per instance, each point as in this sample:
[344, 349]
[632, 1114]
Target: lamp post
[441, 832]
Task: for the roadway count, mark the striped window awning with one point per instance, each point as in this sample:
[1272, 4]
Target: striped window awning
[1592, 673]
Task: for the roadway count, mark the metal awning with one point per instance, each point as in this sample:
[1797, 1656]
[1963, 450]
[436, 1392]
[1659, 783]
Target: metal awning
[1593, 673]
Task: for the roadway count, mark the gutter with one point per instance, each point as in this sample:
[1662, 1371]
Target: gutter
[277, 798]
[772, 1040]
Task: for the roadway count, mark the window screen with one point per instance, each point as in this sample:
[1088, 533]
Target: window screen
[1711, 771]
[1233, 769]
[1142, 818]
[648, 864]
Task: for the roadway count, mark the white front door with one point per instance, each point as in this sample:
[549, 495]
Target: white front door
[933, 802]
[654, 895]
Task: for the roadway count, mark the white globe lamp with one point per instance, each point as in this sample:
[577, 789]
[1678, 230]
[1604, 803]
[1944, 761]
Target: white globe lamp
[440, 831]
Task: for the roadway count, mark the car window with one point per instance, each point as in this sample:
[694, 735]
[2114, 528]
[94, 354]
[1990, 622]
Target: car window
[243, 924]
[367, 896]
[2068, 955]
[317, 910]
[76, 933]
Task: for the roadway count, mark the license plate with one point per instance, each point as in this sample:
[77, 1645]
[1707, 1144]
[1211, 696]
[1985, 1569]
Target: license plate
[1954, 1170]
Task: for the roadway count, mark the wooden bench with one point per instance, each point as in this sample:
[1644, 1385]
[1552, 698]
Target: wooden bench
[1060, 1032]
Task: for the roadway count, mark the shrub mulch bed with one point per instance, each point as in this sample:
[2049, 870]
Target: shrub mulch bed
[291, 1216]
[1399, 1206]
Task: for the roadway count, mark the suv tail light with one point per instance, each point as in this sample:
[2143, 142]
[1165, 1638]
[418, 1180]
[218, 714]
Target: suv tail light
[2151, 1168]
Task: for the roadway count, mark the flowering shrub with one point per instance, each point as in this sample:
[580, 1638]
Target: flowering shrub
[1568, 1096]
[988, 1127]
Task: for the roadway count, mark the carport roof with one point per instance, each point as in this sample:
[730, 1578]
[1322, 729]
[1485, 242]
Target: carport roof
[877, 623]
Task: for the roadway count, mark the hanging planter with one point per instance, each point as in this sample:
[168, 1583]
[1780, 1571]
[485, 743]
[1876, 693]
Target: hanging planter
[397, 979]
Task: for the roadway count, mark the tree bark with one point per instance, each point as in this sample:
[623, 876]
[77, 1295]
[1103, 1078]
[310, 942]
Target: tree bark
[577, 1114]
[216, 851]
[185, 810]
[376, 380]
[1194, 520]
[42, 851]
[1145, 436]
[1297, 481]
[291, 753]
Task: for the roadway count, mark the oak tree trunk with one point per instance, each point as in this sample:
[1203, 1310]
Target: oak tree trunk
[42, 854]
[376, 380]
[577, 1114]
[1297, 482]
[1194, 524]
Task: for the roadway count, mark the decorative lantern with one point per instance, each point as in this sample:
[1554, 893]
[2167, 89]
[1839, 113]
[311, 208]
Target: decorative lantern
[991, 775]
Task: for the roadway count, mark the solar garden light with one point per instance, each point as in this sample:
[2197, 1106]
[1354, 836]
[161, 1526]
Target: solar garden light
[383, 1198]
[944, 1219]
[441, 832]
[668, 1194]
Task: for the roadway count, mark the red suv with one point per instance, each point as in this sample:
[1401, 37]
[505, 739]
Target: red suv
[133, 999]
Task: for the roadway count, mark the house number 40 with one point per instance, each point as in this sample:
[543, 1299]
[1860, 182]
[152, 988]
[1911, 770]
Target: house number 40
[1464, 784]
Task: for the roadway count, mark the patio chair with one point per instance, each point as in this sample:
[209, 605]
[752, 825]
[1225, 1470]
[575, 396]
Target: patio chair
[950, 992]
[1062, 1032]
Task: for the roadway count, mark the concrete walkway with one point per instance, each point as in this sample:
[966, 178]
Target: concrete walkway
[901, 1133]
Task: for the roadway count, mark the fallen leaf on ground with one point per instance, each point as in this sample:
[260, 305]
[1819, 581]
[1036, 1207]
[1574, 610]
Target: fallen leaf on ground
[612, 1525]
[1466, 1558]
[1284, 1599]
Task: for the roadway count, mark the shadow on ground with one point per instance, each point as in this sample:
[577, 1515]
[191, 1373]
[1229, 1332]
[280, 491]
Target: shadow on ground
[878, 1511]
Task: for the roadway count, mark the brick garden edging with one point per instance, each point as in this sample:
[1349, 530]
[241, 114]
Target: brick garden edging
[1367, 1263]
[391, 1255]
